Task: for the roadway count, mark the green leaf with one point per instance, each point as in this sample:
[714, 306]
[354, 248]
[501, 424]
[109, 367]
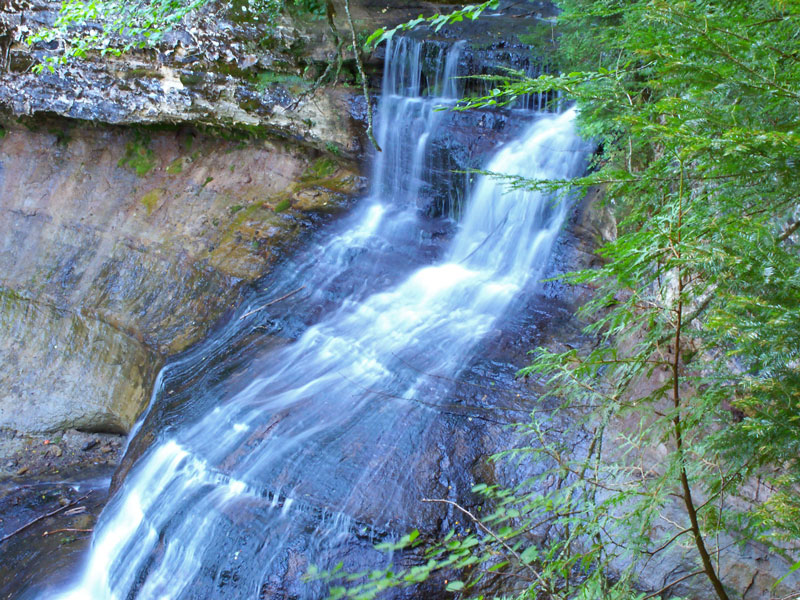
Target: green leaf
[530, 554]
[791, 570]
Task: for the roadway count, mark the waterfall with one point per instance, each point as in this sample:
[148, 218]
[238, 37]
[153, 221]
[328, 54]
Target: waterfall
[285, 464]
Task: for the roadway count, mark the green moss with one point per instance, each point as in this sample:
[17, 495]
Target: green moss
[282, 205]
[138, 155]
[63, 136]
[235, 208]
[12, 295]
[267, 79]
[333, 148]
[245, 213]
[298, 48]
[207, 181]
[191, 78]
[268, 42]
[175, 167]
[151, 200]
[321, 168]
[142, 73]
[3, 133]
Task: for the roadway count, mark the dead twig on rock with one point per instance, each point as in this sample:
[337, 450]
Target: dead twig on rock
[42, 517]
[271, 302]
[63, 530]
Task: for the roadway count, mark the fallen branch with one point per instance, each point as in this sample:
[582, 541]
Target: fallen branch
[271, 302]
[42, 517]
[63, 530]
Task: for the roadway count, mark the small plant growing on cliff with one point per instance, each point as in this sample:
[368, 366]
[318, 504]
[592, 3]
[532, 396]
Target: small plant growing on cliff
[151, 200]
[138, 155]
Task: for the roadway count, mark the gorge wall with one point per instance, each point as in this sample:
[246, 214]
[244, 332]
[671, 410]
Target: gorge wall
[138, 195]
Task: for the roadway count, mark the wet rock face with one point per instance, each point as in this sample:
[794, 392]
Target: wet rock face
[120, 247]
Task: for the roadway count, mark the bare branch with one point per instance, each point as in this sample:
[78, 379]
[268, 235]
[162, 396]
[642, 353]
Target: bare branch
[672, 583]
[500, 540]
[42, 517]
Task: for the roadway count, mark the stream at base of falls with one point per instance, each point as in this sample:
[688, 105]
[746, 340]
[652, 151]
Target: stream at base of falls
[301, 433]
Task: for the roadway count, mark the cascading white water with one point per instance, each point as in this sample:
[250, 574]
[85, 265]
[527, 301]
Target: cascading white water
[293, 454]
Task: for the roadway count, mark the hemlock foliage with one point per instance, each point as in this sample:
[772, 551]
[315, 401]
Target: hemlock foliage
[689, 403]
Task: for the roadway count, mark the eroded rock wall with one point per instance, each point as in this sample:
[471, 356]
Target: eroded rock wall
[104, 270]
[125, 231]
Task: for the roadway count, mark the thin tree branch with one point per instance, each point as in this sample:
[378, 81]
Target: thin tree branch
[705, 558]
[271, 302]
[790, 229]
[672, 583]
[63, 530]
[360, 68]
[502, 542]
[668, 542]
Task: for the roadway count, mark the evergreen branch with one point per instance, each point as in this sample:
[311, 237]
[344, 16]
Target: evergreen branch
[668, 542]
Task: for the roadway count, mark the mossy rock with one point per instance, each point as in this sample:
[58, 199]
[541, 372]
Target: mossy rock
[283, 205]
[175, 167]
[152, 199]
[192, 78]
[321, 168]
[291, 82]
[138, 156]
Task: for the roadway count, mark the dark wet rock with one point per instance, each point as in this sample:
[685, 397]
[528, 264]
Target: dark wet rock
[90, 444]
[46, 524]
[52, 455]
